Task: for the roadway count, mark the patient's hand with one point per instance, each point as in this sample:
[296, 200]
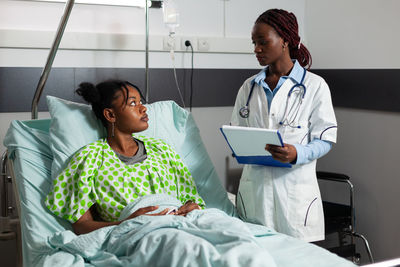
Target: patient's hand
[188, 207]
[145, 210]
[87, 223]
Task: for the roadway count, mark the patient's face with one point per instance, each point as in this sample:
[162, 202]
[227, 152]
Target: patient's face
[130, 114]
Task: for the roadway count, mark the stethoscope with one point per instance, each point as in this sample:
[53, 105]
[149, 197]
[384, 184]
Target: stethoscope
[289, 114]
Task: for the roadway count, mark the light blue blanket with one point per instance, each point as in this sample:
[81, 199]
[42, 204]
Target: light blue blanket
[203, 238]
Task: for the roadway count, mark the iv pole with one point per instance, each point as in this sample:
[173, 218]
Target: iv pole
[146, 74]
[50, 58]
[54, 48]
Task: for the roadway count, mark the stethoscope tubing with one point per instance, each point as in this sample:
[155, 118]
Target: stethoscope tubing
[245, 111]
[301, 84]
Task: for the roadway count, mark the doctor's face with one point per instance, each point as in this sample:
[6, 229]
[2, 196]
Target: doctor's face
[268, 45]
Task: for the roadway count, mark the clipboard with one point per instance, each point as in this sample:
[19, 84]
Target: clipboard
[248, 145]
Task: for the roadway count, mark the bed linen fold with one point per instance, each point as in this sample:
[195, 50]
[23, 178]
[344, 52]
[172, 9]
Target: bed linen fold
[203, 238]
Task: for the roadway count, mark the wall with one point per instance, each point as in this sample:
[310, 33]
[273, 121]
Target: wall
[362, 35]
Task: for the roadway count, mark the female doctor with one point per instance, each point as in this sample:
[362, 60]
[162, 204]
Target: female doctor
[287, 97]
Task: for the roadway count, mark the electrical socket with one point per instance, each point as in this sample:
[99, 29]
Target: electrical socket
[192, 41]
[203, 44]
[169, 43]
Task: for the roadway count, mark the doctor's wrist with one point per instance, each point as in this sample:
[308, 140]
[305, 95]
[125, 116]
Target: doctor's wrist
[299, 155]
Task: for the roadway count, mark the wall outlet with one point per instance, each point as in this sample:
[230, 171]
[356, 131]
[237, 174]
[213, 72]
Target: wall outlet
[203, 44]
[192, 41]
[170, 43]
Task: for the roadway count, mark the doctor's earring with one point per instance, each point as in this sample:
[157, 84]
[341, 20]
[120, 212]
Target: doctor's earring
[112, 129]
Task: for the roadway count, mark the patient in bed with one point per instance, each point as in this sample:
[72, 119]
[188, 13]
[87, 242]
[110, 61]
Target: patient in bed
[124, 176]
[105, 177]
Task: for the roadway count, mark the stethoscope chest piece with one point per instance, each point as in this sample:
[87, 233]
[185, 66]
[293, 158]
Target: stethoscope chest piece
[244, 112]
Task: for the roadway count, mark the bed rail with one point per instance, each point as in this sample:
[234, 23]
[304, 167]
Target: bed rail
[9, 227]
[6, 179]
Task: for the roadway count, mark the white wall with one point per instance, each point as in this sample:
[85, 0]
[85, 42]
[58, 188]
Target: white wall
[353, 34]
[37, 21]
[362, 34]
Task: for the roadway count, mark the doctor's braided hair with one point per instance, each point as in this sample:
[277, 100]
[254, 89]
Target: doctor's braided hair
[102, 95]
[285, 24]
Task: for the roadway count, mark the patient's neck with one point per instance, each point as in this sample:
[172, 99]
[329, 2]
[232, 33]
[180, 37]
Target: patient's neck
[123, 144]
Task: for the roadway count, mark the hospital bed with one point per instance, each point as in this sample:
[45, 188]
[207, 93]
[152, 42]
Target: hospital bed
[38, 148]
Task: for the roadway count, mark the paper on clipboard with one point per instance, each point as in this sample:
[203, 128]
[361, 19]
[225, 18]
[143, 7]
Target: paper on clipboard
[251, 141]
[248, 144]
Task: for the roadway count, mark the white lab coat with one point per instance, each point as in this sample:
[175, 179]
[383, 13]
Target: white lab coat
[286, 199]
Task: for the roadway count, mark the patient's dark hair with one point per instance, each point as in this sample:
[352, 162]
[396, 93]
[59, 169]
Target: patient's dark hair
[285, 24]
[101, 96]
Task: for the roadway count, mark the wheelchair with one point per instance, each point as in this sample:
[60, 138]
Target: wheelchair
[340, 221]
[339, 218]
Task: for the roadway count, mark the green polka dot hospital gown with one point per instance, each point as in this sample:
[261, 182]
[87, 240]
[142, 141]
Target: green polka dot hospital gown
[95, 174]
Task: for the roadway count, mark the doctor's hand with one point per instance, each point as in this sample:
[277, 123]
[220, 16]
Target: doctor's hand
[285, 154]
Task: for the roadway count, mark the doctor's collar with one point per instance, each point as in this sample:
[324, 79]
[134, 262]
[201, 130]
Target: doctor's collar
[296, 74]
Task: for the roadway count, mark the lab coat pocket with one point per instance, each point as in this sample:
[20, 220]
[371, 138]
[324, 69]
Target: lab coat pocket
[311, 213]
[306, 206]
[295, 135]
[245, 200]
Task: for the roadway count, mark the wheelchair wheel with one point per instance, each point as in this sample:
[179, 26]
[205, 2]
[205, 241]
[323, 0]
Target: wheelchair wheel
[356, 258]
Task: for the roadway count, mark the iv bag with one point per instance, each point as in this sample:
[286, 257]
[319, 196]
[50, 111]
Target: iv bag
[171, 15]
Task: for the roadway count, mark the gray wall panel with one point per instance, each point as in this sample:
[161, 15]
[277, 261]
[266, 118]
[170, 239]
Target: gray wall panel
[211, 87]
[371, 89]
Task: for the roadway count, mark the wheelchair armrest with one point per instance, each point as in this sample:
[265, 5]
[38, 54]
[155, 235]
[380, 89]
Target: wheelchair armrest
[332, 176]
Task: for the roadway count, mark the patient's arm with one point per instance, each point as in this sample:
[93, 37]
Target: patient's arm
[187, 207]
[87, 224]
